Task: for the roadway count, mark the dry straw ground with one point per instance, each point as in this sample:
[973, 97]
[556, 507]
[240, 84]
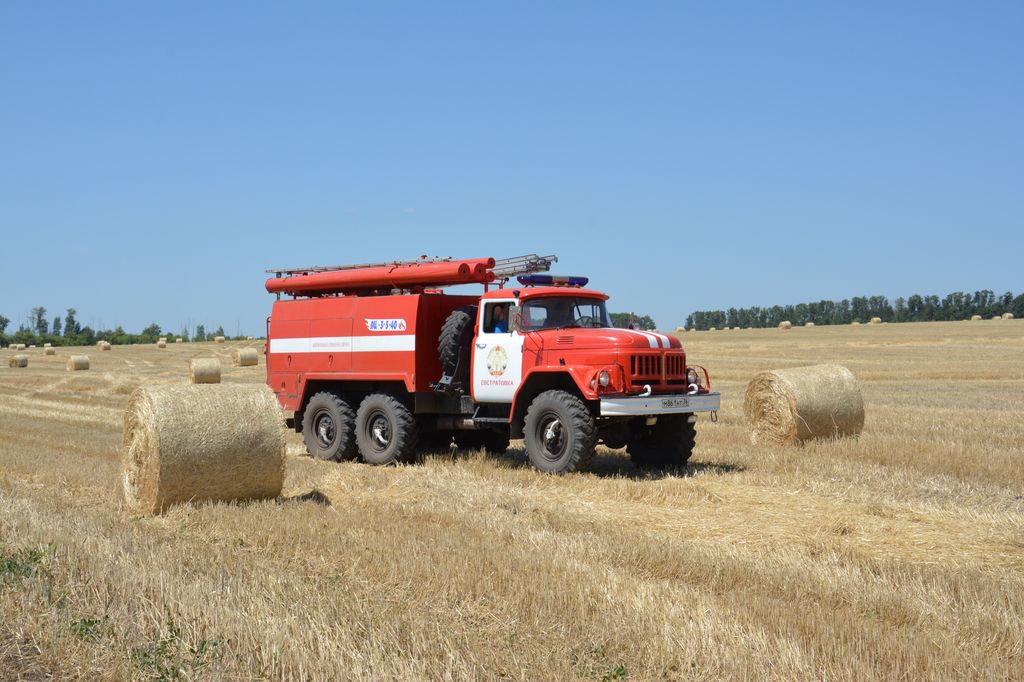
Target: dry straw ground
[896, 556]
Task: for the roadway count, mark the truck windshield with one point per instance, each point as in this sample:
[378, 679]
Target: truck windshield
[557, 312]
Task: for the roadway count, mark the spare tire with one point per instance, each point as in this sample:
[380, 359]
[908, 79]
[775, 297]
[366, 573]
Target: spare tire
[456, 334]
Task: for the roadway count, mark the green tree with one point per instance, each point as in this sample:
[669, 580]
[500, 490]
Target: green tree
[38, 322]
[151, 333]
[56, 326]
[3, 324]
[71, 327]
[200, 332]
[219, 332]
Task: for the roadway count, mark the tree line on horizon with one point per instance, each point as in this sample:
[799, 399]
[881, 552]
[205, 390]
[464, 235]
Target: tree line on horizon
[955, 306]
[70, 332]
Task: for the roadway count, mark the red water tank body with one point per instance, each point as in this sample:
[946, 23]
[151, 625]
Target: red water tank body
[398, 276]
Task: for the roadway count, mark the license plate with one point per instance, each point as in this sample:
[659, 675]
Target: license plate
[675, 402]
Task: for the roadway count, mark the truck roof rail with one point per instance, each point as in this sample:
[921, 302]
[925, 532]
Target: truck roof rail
[355, 266]
[505, 268]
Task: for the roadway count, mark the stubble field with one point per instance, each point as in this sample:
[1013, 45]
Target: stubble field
[899, 555]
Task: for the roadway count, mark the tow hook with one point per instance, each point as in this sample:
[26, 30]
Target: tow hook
[646, 392]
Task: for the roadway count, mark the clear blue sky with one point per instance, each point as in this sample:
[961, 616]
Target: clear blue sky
[155, 157]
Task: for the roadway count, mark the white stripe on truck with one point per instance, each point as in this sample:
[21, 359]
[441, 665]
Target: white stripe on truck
[354, 344]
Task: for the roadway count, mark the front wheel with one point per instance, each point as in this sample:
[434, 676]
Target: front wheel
[386, 430]
[560, 432]
[669, 443]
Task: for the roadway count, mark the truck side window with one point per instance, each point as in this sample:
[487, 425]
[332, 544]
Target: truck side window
[496, 318]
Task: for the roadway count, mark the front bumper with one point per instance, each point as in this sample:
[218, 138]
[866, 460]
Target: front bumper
[660, 404]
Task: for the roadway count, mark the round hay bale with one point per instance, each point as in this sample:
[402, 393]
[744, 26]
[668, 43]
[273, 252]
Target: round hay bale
[200, 443]
[99, 344]
[975, 318]
[21, 346]
[785, 324]
[162, 338]
[18, 361]
[179, 340]
[50, 351]
[47, 345]
[245, 357]
[77, 363]
[32, 345]
[997, 317]
[713, 329]
[788, 406]
[680, 330]
[808, 324]
[105, 345]
[875, 320]
[204, 371]
[161, 344]
[219, 339]
[855, 323]
[1007, 316]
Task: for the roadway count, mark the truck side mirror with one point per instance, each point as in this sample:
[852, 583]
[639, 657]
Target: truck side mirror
[515, 314]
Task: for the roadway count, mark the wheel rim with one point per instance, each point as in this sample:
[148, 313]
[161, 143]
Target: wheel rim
[323, 426]
[552, 437]
[379, 430]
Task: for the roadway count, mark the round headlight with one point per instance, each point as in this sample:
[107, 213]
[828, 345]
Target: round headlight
[604, 378]
[692, 377]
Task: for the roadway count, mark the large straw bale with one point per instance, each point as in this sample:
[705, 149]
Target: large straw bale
[1007, 316]
[219, 339]
[199, 443]
[50, 350]
[18, 361]
[788, 406]
[975, 318]
[78, 362]
[245, 357]
[204, 371]
[161, 344]
[105, 345]
[875, 320]
[99, 344]
[785, 324]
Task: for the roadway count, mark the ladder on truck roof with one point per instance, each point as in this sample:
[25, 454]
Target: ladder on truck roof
[504, 268]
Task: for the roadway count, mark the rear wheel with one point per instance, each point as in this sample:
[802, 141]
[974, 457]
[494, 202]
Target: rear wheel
[385, 430]
[669, 443]
[328, 427]
[560, 432]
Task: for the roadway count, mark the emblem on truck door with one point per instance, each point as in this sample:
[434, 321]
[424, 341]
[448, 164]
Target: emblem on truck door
[497, 361]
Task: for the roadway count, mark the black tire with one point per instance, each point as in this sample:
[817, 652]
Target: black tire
[386, 431]
[494, 441]
[328, 427]
[669, 443]
[456, 335]
[560, 433]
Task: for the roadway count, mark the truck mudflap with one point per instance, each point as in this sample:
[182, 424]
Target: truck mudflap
[660, 404]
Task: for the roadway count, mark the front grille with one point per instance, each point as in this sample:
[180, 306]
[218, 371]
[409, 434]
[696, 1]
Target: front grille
[657, 369]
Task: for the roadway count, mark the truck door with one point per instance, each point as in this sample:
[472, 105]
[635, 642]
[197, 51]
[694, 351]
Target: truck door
[497, 355]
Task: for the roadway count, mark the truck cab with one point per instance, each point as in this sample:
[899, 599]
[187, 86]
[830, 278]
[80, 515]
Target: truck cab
[412, 368]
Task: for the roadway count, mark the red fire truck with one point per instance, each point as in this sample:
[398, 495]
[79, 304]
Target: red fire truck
[377, 362]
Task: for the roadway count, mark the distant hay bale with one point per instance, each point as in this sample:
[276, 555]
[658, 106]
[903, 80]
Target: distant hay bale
[997, 317]
[245, 357]
[179, 340]
[725, 329]
[974, 318]
[161, 344]
[788, 406]
[785, 324]
[21, 346]
[49, 350]
[162, 338]
[855, 323]
[47, 345]
[248, 338]
[18, 361]
[77, 363]
[105, 345]
[680, 330]
[219, 339]
[808, 324]
[201, 443]
[204, 371]
[713, 329]
[32, 345]
[875, 320]
[1007, 316]
[99, 344]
